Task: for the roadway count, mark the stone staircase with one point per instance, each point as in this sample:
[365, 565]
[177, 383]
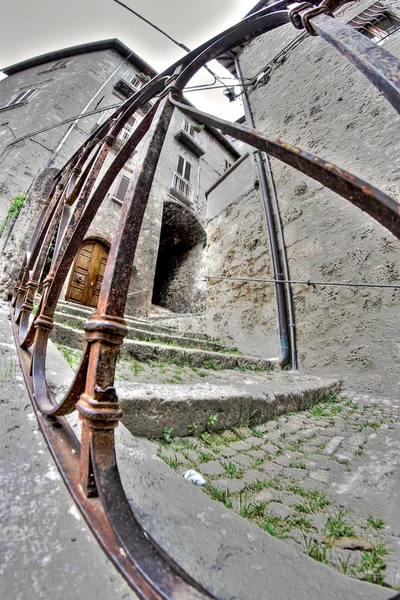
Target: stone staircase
[148, 340]
[171, 377]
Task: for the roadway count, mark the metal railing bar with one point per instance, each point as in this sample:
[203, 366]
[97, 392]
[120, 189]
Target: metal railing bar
[380, 67]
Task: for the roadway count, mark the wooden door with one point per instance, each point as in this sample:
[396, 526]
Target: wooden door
[87, 273]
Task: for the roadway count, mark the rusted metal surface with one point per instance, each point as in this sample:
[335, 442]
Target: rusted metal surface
[89, 466]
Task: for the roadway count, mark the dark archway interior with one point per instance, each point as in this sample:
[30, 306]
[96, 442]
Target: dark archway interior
[179, 260]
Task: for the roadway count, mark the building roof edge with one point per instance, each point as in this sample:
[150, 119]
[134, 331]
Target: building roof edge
[110, 44]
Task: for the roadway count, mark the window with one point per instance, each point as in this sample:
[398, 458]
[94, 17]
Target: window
[22, 97]
[127, 129]
[376, 22]
[136, 83]
[188, 127]
[184, 168]
[133, 80]
[60, 64]
[181, 179]
[226, 164]
[122, 188]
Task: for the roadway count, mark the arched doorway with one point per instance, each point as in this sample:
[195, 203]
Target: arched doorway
[178, 282]
[87, 273]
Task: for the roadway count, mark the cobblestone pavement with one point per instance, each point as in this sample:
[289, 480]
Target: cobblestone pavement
[326, 480]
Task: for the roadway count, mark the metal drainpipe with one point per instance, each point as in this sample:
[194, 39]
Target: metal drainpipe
[284, 357]
[288, 287]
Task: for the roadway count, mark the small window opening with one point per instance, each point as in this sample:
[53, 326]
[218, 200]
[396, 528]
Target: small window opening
[122, 188]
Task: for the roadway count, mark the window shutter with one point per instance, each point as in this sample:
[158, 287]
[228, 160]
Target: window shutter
[188, 168]
[122, 188]
[60, 63]
[181, 163]
[22, 97]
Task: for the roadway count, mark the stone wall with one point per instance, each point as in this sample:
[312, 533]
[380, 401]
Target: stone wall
[20, 236]
[61, 94]
[184, 289]
[241, 313]
[319, 101]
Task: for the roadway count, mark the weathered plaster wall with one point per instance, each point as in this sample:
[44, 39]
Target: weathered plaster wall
[61, 94]
[241, 313]
[316, 99]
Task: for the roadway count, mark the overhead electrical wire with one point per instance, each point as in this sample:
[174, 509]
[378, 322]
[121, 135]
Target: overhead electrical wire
[308, 282]
[183, 46]
[103, 109]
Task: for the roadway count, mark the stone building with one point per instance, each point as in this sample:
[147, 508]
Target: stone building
[303, 91]
[42, 91]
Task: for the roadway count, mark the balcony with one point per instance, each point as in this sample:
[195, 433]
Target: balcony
[182, 189]
[189, 137]
[126, 89]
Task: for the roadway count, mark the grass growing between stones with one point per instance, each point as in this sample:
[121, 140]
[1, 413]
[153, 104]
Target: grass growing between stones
[278, 490]
[73, 357]
[232, 471]
[337, 526]
[317, 550]
[8, 370]
[373, 566]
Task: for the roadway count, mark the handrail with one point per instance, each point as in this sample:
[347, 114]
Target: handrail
[89, 467]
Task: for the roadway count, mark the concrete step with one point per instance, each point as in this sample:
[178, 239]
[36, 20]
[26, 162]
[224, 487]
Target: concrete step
[140, 323]
[135, 333]
[146, 351]
[182, 322]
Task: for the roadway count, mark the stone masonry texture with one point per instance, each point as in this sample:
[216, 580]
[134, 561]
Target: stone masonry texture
[324, 481]
[317, 100]
[21, 233]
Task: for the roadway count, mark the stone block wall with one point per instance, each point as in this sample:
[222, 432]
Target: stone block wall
[319, 101]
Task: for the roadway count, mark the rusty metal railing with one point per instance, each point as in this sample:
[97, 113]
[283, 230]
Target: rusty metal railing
[89, 467]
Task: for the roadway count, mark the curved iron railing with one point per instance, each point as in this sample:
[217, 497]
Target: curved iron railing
[89, 468]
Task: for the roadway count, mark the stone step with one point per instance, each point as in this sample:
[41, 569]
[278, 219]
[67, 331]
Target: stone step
[139, 323]
[182, 322]
[249, 400]
[146, 351]
[77, 321]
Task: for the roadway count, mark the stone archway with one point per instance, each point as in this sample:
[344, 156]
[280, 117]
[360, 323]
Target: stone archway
[87, 272]
[177, 281]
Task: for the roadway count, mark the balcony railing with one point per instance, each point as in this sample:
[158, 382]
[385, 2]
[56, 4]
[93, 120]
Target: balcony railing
[182, 187]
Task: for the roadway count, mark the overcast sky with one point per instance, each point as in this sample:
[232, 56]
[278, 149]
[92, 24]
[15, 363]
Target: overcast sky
[32, 27]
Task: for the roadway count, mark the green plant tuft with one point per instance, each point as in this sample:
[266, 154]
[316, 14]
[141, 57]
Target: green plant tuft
[13, 210]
